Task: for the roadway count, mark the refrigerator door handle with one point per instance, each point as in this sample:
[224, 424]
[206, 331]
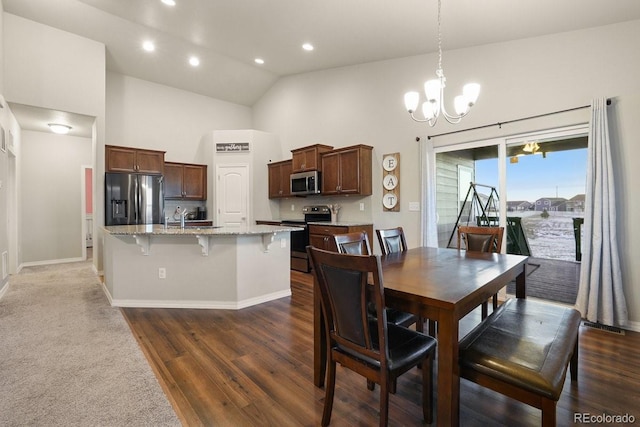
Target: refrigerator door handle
[136, 199]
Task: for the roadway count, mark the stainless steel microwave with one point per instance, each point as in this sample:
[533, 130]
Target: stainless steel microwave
[305, 183]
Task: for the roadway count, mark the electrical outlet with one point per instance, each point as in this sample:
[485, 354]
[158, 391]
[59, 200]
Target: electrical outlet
[162, 273]
[293, 207]
[414, 206]
[361, 206]
[283, 243]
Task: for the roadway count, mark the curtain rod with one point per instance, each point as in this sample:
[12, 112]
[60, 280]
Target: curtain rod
[499, 124]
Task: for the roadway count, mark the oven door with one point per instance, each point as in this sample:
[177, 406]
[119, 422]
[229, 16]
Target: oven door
[299, 243]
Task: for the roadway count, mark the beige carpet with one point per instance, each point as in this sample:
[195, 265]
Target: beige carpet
[67, 358]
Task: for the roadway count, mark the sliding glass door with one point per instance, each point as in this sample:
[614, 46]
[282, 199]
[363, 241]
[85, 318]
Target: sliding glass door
[533, 185]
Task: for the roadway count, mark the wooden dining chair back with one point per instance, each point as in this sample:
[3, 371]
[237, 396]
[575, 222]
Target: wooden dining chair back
[354, 243]
[391, 240]
[357, 243]
[481, 239]
[372, 347]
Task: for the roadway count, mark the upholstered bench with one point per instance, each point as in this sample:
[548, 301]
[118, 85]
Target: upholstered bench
[522, 351]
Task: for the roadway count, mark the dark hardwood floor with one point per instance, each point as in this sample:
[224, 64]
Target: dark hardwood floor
[253, 367]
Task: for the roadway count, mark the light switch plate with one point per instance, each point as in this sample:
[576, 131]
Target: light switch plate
[414, 206]
[361, 206]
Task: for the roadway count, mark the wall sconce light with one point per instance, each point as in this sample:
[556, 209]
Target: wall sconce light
[59, 128]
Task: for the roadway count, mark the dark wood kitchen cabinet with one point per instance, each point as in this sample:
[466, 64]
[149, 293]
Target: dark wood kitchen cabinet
[279, 179]
[136, 160]
[347, 171]
[308, 158]
[185, 181]
[321, 236]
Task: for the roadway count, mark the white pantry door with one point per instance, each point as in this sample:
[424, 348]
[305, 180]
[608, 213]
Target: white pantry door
[232, 195]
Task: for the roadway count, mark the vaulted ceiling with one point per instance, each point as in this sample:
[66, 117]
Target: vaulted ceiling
[227, 35]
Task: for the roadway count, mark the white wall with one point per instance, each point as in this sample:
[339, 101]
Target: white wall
[51, 196]
[9, 183]
[143, 114]
[364, 104]
[49, 68]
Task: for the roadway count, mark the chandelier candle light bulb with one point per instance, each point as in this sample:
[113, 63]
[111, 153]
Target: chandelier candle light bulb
[434, 92]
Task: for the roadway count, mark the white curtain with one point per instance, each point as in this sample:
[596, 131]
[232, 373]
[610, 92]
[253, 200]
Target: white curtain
[600, 295]
[428, 180]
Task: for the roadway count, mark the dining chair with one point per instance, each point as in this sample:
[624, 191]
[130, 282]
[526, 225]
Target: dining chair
[481, 239]
[372, 347]
[357, 243]
[354, 243]
[392, 240]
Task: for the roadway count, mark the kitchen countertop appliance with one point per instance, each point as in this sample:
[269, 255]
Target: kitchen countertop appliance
[132, 199]
[300, 239]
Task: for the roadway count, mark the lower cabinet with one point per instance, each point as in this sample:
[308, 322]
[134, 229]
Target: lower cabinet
[321, 236]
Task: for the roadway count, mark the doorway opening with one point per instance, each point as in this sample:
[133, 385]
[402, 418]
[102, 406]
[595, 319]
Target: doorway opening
[87, 211]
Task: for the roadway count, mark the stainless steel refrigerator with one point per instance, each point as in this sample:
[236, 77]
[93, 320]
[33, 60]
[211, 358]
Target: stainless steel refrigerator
[133, 199]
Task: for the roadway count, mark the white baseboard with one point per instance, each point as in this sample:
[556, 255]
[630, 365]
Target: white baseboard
[49, 262]
[632, 326]
[211, 305]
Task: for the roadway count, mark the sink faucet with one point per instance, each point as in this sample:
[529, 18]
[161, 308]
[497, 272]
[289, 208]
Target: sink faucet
[182, 214]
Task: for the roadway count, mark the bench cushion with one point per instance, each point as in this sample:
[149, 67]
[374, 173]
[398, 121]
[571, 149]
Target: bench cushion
[525, 343]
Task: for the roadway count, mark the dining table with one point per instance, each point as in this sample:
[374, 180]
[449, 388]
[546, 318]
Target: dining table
[442, 285]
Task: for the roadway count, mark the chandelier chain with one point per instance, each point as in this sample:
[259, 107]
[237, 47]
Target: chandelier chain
[439, 38]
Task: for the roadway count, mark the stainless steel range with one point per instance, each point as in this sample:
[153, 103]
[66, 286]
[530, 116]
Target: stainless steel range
[300, 239]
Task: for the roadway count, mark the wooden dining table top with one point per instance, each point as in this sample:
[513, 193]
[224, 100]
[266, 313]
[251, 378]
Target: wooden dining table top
[446, 278]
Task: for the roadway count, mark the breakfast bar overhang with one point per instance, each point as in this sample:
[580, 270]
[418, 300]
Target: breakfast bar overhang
[208, 267]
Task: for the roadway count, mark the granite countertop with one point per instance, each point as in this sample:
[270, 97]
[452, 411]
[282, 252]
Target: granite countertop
[335, 224]
[342, 223]
[159, 230]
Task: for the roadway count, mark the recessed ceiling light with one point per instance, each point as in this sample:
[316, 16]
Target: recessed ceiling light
[259, 61]
[194, 61]
[307, 46]
[59, 128]
[149, 46]
[169, 2]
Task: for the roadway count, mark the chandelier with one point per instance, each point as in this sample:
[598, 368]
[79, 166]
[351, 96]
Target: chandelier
[434, 91]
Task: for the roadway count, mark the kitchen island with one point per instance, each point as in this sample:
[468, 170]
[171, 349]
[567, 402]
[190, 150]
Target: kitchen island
[196, 267]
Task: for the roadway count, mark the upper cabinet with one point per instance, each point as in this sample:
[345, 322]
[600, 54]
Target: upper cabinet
[184, 181]
[308, 158]
[279, 179]
[128, 159]
[347, 171]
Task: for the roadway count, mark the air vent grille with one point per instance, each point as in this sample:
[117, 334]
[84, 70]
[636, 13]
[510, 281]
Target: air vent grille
[612, 329]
